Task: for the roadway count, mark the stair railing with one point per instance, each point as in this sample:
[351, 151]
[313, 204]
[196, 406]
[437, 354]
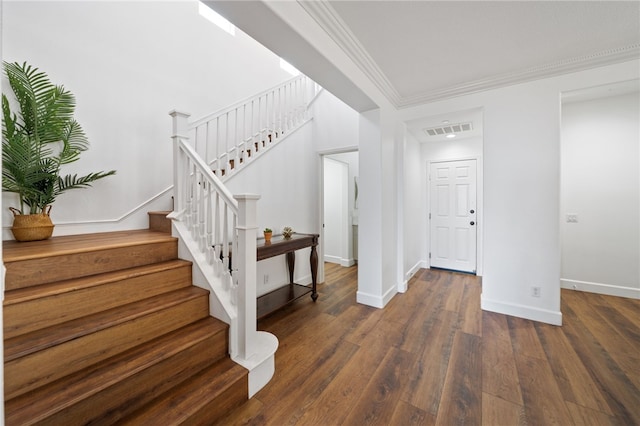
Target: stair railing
[228, 139]
[219, 231]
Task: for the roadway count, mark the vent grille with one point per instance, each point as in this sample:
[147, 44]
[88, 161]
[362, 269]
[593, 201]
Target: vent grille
[449, 128]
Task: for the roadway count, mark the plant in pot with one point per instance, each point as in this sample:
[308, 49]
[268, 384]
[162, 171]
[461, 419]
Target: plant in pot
[37, 141]
[267, 235]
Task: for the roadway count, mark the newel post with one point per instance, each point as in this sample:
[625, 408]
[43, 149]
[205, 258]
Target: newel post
[245, 275]
[180, 130]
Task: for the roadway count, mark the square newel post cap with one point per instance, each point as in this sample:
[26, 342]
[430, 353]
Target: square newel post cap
[180, 123]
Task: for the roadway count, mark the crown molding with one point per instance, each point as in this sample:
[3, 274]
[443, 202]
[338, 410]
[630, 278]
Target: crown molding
[329, 20]
[607, 57]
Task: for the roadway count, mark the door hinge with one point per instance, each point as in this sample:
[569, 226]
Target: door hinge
[429, 216]
[429, 255]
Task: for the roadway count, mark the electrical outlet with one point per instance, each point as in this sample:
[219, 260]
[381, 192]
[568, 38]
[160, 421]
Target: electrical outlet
[572, 218]
[535, 291]
[266, 279]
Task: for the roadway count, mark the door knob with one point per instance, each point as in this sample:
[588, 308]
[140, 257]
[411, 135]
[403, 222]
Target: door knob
[472, 223]
[472, 211]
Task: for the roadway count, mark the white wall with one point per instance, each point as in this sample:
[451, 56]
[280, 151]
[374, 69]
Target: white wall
[601, 185]
[129, 64]
[413, 207]
[336, 125]
[521, 159]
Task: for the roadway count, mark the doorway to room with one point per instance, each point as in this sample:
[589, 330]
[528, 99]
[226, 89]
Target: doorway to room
[340, 208]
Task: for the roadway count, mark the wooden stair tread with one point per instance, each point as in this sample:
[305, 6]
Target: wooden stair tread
[188, 399]
[38, 340]
[47, 290]
[65, 392]
[14, 251]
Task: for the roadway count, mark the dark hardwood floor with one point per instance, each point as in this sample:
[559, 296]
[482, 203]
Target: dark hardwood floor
[433, 357]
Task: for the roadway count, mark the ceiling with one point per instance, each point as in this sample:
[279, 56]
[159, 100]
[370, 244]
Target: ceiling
[420, 51]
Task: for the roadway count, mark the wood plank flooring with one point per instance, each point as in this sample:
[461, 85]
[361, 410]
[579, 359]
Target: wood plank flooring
[432, 357]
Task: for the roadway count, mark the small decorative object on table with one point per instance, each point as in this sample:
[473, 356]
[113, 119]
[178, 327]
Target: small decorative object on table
[267, 235]
[287, 231]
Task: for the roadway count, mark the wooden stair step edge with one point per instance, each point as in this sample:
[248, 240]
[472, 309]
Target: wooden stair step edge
[208, 396]
[73, 256]
[43, 356]
[103, 393]
[32, 308]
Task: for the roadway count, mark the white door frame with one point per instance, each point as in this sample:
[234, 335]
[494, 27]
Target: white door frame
[320, 163]
[479, 206]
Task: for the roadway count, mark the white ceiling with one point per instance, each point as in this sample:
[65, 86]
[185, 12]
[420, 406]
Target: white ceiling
[420, 51]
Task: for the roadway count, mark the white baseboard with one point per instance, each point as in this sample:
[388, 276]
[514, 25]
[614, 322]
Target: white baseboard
[599, 288]
[374, 300]
[419, 265]
[339, 260]
[521, 311]
[347, 262]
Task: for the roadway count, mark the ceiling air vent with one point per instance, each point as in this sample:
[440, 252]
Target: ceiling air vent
[449, 128]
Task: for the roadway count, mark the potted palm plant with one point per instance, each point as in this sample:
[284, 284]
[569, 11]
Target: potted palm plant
[37, 141]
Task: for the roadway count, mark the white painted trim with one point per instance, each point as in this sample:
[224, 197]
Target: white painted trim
[121, 218]
[375, 300]
[600, 288]
[327, 17]
[415, 269]
[347, 262]
[332, 259]
[521, 311]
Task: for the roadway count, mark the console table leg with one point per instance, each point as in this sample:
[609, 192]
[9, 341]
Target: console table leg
[291, 262]
[314, 271]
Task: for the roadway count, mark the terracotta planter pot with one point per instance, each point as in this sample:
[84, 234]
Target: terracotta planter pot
[267, 237]
[31, 227]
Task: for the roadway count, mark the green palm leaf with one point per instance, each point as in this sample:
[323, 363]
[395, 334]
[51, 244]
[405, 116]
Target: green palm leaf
[39, 139]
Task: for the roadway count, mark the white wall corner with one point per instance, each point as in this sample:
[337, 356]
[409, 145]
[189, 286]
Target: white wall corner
[522, 311]
[599, 288]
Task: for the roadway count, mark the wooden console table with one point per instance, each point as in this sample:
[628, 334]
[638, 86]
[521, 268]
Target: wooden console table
[282, 296]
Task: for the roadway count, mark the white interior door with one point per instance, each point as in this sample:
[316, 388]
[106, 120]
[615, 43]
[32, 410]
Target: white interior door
[453, 215]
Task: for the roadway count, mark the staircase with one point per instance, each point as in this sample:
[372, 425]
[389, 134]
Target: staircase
[108, 328]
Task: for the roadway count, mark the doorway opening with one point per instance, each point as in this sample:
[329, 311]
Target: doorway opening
[339, 209]
[600, 189]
